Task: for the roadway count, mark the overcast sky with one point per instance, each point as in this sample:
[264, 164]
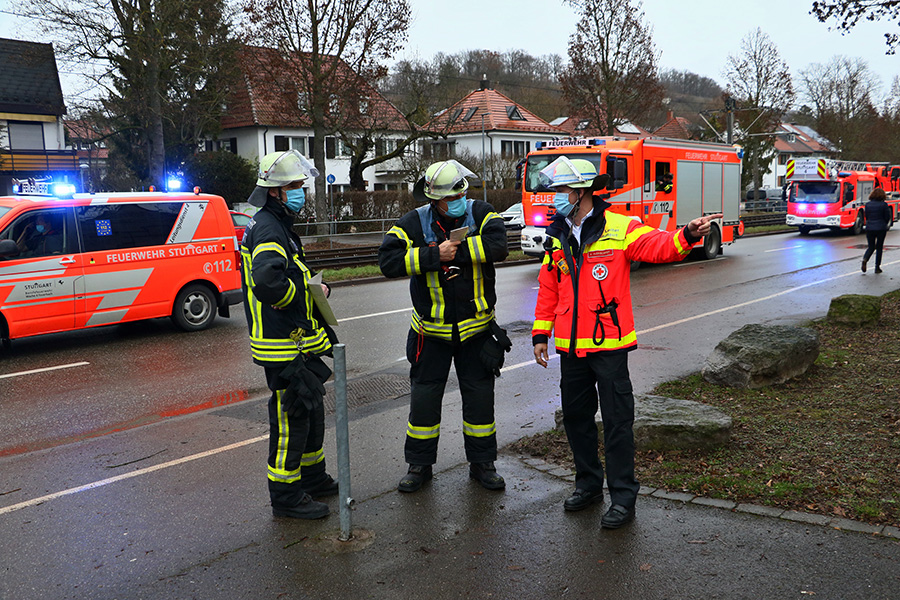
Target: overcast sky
[694, 35]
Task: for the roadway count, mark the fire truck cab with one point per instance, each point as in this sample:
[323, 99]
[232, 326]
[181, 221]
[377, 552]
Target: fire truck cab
[825, 193]
[662, 182]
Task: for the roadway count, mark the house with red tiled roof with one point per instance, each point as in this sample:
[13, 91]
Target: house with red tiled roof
[266, 116]
[486, 119]
[675, 127]
[583, 127]
[795, 141]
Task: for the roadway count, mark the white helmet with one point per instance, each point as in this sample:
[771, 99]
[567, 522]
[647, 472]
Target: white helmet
[277, 169]
[442, 179]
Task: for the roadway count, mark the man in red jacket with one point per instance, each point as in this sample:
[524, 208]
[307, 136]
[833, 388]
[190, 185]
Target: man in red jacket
[585, 300]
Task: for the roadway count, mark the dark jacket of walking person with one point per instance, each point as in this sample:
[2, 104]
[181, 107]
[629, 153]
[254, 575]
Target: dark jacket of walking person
[288, 336]
[584, 301]
[879, 218]
[453, 297]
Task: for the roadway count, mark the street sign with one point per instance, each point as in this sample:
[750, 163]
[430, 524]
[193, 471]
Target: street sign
[330, 179]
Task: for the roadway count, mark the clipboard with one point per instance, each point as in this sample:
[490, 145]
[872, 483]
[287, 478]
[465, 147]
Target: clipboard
[459, 234]
[318, 296]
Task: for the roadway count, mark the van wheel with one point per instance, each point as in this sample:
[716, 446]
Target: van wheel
[195, 308]
[712, 242]
[857, 225]
[804, 229]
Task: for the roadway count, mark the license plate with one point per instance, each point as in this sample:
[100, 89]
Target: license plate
[811, 221]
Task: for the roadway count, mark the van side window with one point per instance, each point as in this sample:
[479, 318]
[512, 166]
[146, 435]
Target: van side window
[41, 233]
[116, 226]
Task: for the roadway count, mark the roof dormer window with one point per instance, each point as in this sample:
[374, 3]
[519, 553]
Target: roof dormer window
[582, 125]
[512, 112]
[470, 113]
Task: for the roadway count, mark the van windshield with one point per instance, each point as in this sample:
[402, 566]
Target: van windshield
[817, 192]
[4, 210]
[538, 162]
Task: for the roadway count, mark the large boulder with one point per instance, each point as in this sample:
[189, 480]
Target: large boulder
[855, 309]
[755, 356]
[671, 424]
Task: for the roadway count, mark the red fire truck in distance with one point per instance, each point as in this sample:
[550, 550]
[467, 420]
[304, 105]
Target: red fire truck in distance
[662, 182]
[828, 193]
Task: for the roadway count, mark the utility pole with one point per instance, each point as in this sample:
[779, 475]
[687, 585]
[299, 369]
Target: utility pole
[730, 107]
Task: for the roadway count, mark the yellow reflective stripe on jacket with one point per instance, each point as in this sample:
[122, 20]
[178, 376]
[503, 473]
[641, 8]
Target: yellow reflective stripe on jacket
[472, 327]
[269, 247]
[476, 249]
[310, 458]
[272, 350]
[467, 328]
[412, 260]
[479, 430]
[542, 327]
[627, 340]
[288, 297]
[478, 298]
[433, 280]
[682, 249]
[316, 342]
[423, 433]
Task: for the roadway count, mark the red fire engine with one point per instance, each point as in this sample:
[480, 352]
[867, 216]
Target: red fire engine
[662, 182]
[829, 193]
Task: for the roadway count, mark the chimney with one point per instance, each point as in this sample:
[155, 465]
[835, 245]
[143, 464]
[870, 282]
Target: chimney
[669, 116]
[485, 84]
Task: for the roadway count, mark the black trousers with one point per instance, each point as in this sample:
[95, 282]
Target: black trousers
[295, 446]
[430, 361]
[875, 240]
[603, 376]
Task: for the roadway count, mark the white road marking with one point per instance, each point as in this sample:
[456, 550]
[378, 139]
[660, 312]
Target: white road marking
[389, 312]
[139, 472]
[44, 370]
[785, 248]
[214, 451]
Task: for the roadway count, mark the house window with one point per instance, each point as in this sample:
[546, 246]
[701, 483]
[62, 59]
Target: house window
[439, 149]
[25, 136]
[455, 114]
[298, 144]
[470, 113]
[513, 113]
[302, 100]
[582, 125]
[511, 149]
[782, 159]
[364, 106]
[385, 187]
[386, 146]
[334, 105]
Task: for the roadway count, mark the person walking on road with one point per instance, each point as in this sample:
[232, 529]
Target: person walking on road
[878, 219]
[584, 298]
[448, 247]
[288, 336]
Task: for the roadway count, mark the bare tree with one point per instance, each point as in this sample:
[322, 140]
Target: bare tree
[847, 13]
[314, 38]
[841, 96]
[761, 82]
[612, 76]
[152, 57]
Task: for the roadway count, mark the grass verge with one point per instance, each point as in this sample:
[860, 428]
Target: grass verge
[827, 442]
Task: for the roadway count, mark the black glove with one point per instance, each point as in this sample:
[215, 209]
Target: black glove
[305, 375]
[493, 350]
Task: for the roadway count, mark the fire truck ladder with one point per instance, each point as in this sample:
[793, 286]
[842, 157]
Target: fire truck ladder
[849, 165]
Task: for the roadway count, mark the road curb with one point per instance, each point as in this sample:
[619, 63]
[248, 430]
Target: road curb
[718, 503]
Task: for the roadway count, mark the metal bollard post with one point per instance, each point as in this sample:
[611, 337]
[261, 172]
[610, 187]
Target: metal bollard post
[342, 437]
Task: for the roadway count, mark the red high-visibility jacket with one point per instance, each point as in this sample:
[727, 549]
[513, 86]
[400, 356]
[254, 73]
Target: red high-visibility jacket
[597, 300]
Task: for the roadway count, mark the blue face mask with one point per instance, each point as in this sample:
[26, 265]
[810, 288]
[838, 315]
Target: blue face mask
[40, 228]
[561, 204]
[295, 200]
[456, 208]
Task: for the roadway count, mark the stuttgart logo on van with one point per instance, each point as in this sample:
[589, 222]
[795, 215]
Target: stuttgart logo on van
[30, 287]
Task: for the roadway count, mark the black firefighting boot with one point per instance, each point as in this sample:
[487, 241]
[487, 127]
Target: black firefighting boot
[306, 508]
[413, 480]
[320, 487]
[486, 475]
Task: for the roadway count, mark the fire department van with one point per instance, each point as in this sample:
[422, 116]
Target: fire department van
[90, 260]
[827, 193]
[662, 182]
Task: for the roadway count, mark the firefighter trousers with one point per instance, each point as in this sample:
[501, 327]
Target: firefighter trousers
[582, 379]
[430, 366]
[295, 446]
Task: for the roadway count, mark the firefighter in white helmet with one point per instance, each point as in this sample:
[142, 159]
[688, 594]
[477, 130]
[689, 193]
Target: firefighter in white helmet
[584, 300]
[453, 296]
[288, 336]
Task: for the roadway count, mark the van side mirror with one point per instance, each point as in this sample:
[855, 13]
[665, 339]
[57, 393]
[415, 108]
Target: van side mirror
[8, 248]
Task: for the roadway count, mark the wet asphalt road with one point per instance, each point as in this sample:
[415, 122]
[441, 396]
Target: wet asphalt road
[176, 508]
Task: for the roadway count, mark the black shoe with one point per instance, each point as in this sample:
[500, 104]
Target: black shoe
[617, 516]
[413, 480]
[486, 475]
[863, 266]
[877, 269]
[581, 499]
[321, 487]
[307, 508]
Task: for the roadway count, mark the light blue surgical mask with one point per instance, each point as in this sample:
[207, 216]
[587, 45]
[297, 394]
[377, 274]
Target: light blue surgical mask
[40, 228]
[561, 204]
[456, 208]
[295, 199]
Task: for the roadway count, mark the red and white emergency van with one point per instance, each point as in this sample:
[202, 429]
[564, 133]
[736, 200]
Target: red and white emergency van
[662, 182]
[97, 259]
[828, 193]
